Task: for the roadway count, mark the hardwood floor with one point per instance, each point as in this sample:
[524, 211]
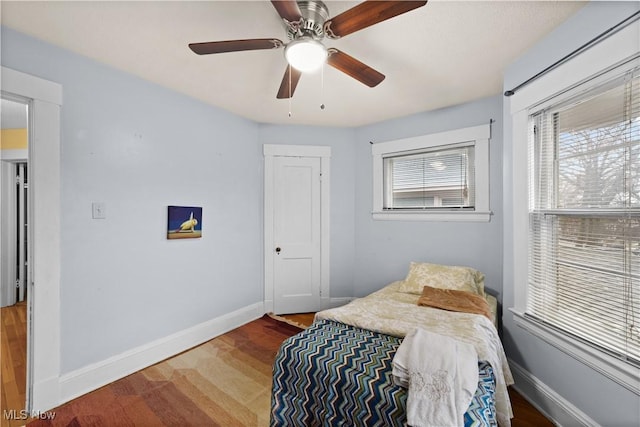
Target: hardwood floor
[13, 357]
[526, 415]
[13, 370]
[224, 382]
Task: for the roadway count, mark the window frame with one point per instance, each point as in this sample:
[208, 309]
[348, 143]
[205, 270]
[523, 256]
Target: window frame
[583, 73]
[478, 136]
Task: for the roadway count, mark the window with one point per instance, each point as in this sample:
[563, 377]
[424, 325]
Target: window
[441, 177]
[581, 199]
[584, 217]
[433, 177]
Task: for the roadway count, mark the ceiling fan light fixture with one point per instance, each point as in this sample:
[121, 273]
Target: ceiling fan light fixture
[305, 54]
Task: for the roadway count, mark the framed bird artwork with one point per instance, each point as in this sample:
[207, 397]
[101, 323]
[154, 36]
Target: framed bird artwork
[184, 222]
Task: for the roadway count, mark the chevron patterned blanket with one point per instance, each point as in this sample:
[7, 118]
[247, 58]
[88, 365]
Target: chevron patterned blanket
[334, 374]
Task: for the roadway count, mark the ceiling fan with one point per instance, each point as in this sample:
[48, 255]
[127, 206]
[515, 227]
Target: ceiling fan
[307, 23]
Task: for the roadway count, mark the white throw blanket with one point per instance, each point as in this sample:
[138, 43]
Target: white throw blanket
[441, 375]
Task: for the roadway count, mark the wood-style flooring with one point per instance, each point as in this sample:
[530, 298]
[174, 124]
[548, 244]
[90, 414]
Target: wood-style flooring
[225, 381]
[13, 358]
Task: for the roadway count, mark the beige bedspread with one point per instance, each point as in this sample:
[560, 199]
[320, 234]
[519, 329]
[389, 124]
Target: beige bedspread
[394, 313]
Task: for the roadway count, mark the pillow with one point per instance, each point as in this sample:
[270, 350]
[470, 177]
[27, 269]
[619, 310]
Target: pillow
[459, 278]
[452, 300]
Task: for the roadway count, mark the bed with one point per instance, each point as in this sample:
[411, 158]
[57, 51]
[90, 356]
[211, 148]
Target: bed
[339, 371]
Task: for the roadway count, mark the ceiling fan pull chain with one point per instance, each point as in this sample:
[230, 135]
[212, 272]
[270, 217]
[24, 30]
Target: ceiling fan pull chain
[290, 90]
[322, 87]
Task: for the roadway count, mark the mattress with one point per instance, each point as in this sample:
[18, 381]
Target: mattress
[333, 374]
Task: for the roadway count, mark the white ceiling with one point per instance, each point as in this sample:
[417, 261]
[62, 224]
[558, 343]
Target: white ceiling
[442, 54]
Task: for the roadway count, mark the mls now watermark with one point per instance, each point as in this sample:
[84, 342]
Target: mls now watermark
[15, 414]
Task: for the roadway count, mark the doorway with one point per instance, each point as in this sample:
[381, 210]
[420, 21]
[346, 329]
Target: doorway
[297, 182]
[14, 154]
[15, 241]
[44, 99]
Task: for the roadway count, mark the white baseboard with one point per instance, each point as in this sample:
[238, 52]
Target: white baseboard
[91, 377]
[47, 396]
[556, 408]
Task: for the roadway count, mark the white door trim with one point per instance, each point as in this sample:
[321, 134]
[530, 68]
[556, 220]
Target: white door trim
[23, 268]
[43, 344]
[324, 153]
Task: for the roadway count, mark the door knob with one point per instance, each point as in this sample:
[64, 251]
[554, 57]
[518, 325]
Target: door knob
[278, 250]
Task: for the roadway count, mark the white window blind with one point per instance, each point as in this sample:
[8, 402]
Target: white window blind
[430, 179]
[584, 228]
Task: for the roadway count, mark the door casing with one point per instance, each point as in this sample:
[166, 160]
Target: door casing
[271, 151]
[43, 303]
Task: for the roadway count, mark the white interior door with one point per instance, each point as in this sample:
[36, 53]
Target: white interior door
[296, 216]
[296, 228]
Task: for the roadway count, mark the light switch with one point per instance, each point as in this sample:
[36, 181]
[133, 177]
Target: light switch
[99, 210]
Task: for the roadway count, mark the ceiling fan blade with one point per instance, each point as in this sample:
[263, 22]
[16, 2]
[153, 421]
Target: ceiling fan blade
[287, 9]
[207, 48]
[365, 14]
[354, 68]
[289, 83]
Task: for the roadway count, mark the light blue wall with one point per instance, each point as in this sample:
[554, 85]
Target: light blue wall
[138, 148]
[603, 400]
[385, 248]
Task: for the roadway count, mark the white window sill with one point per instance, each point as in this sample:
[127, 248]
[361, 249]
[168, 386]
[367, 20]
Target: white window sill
[462, 216]
[622, 373]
